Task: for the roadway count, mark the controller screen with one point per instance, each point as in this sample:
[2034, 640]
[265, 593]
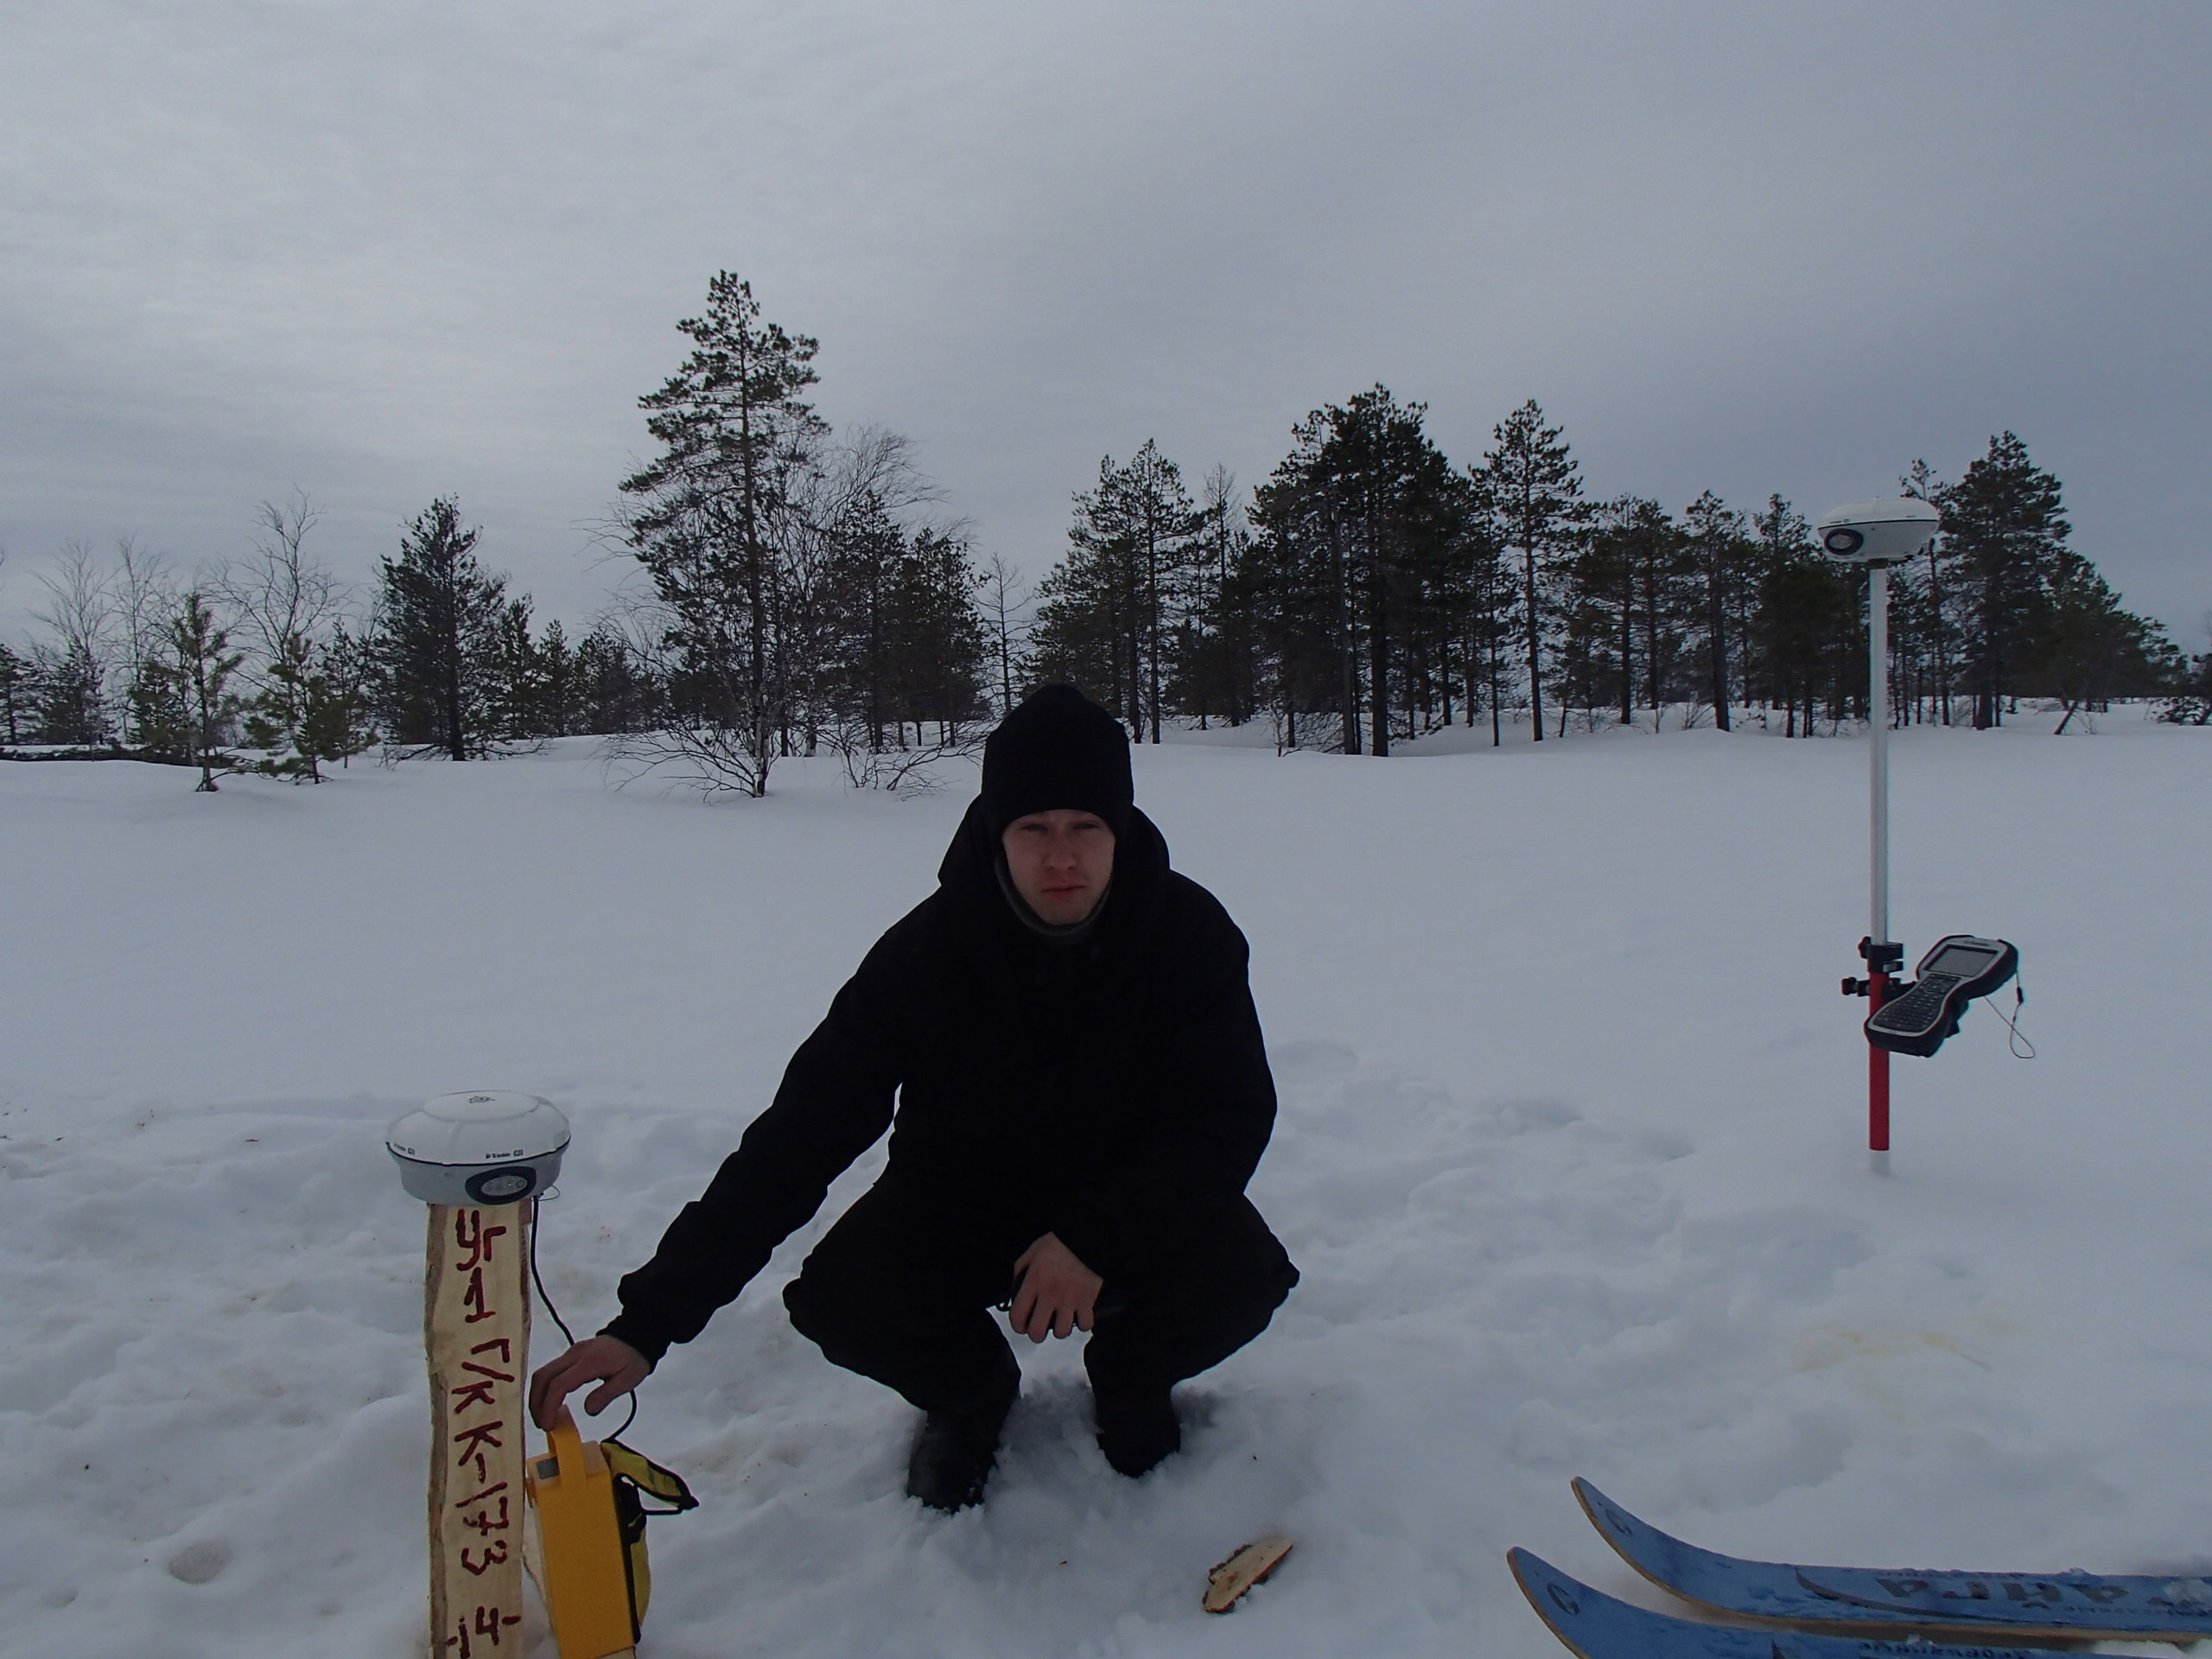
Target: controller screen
[1961, 961]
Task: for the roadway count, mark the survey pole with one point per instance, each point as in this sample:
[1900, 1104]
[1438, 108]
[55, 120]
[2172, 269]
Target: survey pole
[1877, 534]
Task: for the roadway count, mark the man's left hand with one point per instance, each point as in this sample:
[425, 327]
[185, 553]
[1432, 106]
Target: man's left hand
[1057, 1294]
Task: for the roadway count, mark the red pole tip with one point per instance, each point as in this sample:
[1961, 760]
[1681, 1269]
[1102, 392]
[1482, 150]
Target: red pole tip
[1877, 1077]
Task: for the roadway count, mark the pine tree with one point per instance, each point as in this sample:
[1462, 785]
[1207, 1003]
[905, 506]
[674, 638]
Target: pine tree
[1718, 549]
[1297, 594]
[560, 697]
[438, 638]
[2003, 525]
[1805, 634]
[17, 685]
[1532, 485]
[618, 694]
[347, 717]
[1937, 626]
[1081, 626]
[1656, 576]
[1158, 523]
[937, 659]
[1301, 514]
[158, 710]
[331, 725]
[1111, 608]
[1368, 549]
[1609, 575]
[1213, 666]
[1396, 491]
[2190, 700]
[2088, 650]
[1488, 605]
[524, 694]
[709, 526]
[1587, 663]
[72, 707]
[860, 666]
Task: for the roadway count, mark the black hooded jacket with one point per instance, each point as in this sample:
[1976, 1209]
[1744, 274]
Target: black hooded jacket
[1112, 1084]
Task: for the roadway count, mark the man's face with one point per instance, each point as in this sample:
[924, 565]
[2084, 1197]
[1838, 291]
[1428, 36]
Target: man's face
[1060, 861]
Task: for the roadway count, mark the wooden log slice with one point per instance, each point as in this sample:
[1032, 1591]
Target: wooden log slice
[1249, 1565]
[476, 1332]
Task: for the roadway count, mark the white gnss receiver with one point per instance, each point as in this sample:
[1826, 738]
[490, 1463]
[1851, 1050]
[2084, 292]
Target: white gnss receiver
[1957, 968]
[484, 1146]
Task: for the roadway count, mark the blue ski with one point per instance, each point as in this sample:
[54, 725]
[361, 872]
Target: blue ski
[1596, 1627]
[2086, 1606]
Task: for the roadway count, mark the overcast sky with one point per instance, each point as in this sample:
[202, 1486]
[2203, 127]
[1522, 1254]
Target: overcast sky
[383, 251]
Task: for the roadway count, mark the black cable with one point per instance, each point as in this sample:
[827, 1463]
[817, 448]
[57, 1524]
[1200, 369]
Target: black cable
[626, 1422]
[536, 1207]
[537, 1278]
[2018, 1040]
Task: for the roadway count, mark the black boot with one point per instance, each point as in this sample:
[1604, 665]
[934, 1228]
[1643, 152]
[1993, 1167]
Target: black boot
[1136, 1427]
[953, 1456]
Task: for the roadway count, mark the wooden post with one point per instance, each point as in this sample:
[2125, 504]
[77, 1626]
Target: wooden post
[476, 1332]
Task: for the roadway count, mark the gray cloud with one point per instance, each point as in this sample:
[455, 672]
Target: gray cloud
[385, 251]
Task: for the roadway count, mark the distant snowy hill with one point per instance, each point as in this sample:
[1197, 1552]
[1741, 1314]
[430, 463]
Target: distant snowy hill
[1570, 1155]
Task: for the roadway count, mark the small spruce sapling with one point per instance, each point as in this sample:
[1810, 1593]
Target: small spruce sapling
[202, 664]
[306, 714]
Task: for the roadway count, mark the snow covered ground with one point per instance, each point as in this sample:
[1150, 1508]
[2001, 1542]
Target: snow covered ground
[1569, 1153]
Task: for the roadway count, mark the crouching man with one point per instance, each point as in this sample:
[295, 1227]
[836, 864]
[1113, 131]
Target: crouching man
[1082, 1095]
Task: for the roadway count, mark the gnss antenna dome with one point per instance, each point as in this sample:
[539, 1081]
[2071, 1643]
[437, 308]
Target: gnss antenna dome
[1878, 533]
[485, 1147]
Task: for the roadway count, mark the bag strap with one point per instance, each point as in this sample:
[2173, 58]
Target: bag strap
[648, 1477]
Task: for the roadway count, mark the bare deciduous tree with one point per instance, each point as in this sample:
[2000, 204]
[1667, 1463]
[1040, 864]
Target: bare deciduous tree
[277, 594]
[79, 615]
[1004, 596]
[80, 602]
[287, 608]
[145, 596]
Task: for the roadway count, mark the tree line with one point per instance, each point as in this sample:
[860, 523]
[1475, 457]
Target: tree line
[794, 590]
[1372, 592]
[273, 663]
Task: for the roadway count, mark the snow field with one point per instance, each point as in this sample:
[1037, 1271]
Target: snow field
[1569, 1155]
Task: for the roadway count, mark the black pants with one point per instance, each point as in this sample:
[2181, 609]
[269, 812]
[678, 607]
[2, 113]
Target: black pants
[901, 1289]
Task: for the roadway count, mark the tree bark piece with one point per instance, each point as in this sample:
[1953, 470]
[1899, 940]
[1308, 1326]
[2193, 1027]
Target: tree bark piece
[476, 1333]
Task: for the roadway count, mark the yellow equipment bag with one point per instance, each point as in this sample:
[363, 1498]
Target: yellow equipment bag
[637, 1478]
[585, 1495]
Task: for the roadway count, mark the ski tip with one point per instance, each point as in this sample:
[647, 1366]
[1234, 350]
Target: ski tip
[1534, 1573]
[1615, 1525]
[1526, 1564]
[1557, 1597]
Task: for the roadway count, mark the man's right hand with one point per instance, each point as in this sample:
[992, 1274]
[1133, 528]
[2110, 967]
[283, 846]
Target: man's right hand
[609, 1360]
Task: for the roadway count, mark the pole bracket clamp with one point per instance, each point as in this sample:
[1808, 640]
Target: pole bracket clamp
[1882, 956]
